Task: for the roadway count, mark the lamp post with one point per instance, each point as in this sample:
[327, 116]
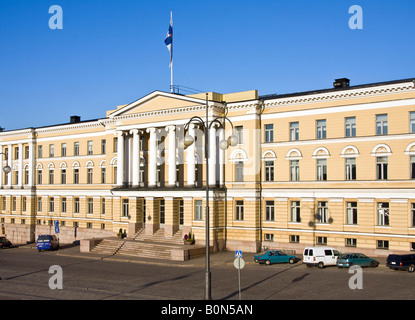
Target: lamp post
[224, 144]
[6, 168]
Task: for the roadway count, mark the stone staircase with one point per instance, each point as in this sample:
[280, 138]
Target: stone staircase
[159, 236]
[155, 246]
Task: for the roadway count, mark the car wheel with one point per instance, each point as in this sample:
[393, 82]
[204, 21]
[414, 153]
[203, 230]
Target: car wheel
[373, 264]
[321, 265]
[291, 261]
[267, 262]
[411, 268]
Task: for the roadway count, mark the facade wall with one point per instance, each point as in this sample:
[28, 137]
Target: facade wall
[130, 171]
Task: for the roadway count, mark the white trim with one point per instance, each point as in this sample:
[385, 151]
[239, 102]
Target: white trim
[408, 151]
[325, 156]
[355, 154]
[272, 158]
[299, 155]
[375, 153]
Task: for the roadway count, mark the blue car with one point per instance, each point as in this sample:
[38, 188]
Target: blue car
[349, 259]
[47, 242]
[274, 256]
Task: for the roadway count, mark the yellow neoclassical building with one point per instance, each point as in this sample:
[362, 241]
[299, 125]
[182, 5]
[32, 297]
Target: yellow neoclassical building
[327, 167]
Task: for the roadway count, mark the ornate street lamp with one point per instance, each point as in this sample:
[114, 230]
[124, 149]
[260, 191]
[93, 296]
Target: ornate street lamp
[6, 168]
[224, 144]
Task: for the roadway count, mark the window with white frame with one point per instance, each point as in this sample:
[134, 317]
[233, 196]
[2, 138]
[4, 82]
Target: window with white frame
[381, 168]
[350, 127]
[294, 131]
[321, 169]
[383, 213]
[269, 133]
[350, 169]
[322, 212]
[239, 171]
[269, 170]
[90, 205]
[381, 124]
[125, 209]
[294, 170]
[412, 122]
[239, 210]
[199, 210]
[351, 212]
[295, 211]
[269, 210]
[239, 133]
[321, 129]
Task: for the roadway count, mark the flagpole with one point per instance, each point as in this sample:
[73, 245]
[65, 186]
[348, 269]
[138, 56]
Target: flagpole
[171, 67]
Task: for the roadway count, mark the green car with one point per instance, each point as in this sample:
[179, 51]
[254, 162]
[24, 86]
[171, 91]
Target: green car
[347, 260]
[274, 256]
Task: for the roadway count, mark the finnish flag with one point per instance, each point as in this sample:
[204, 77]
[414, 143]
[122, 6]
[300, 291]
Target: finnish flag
[169, 39]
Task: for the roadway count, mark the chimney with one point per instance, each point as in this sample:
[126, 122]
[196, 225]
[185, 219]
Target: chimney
[75, 119]
[341, 83]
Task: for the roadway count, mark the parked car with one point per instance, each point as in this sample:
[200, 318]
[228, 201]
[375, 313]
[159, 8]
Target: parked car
[401, 262]
[274, 256]
[4, 243]
[47, 242]
[347, 260]
[320, 256]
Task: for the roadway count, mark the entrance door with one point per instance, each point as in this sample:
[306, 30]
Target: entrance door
[162, 213]
[181, 214]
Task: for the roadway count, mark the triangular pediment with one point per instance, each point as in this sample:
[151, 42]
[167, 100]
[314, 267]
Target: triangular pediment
[157, 101]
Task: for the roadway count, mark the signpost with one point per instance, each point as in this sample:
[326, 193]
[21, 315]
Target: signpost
[56, 223]
[239, 263]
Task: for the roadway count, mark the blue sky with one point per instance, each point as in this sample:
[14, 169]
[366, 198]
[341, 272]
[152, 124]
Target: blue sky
[112, 52]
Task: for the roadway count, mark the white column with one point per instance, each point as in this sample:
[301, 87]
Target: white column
[136, 157]
[120, 159]
[191, 157]
[152, 162]
[20, 178]
[172, 155]
[9, 163]
[32, 162]
[212, 155]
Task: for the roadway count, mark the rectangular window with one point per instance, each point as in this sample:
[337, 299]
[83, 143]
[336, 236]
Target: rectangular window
[51, 176]
[322, 169]
[13, 203]
[269, 210]
[76, 149]
[322, 212]
[16, 153]
[103, 175]
[350, 127]
[39, 204]
[239, 132]
[350, 168]
[239, 171]
[90, 202]
[295, 211]
[63, 149]
[63, 176]
[412, 122]
[351, 242]
[351, 213]
[39, 176]
[125, 209]
[103, 146]
[51, 150]
[90, 147]
[24, 204]
[383, 213]
[413, 214]
[294, 170]
[102, 205]
[382, 244]
[269, 133]
[294, 131]
[322, 241]
[381, 124]
[294, 238]
[269, 237]
[198, 210]
[76, 205]
[51, 204]
[26, 152]
[115, 145]
[162, 211]
[89, 176]
[76, 176]
[269, 170]
[382, 168]
[63, 205]
[321, 129]
[239, 210]
[39, 151]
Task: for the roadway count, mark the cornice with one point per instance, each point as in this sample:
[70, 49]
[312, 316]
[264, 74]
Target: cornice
[342, 95]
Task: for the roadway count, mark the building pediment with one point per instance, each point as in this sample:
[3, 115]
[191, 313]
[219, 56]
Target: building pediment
[157, 101]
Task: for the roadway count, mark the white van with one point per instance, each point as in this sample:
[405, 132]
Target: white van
[320, 256]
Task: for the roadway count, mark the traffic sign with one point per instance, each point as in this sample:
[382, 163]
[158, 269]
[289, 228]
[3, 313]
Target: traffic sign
[56, 222]
[238, 254]
[239, 263]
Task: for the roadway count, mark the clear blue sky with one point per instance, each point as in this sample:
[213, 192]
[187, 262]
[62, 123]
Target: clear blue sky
[113, 52]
